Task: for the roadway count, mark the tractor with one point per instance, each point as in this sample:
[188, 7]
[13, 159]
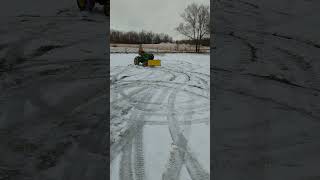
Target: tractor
[146, 59]
[89, 5]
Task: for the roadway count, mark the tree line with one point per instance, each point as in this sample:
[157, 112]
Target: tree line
[203, 42]
[142, 37]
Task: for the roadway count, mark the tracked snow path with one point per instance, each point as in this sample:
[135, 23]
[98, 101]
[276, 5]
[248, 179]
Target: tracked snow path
[153, 112]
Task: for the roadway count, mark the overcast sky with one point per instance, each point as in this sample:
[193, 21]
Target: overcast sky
[159, 16]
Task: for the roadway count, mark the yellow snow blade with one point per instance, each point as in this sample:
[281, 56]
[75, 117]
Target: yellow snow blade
[154, 62]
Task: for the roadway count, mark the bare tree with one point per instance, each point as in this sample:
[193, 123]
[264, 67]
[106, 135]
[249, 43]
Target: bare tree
[196, 23]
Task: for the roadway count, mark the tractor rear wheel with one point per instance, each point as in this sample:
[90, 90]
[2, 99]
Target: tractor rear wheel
[136, 61]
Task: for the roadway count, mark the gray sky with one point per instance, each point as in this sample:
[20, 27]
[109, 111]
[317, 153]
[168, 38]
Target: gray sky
[159, 16]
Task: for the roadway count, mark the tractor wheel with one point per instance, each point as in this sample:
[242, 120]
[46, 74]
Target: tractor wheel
[136, 61]
[82, 4]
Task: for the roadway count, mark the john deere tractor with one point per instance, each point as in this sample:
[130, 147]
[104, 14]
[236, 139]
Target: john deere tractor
[143, 59]
[146, 59]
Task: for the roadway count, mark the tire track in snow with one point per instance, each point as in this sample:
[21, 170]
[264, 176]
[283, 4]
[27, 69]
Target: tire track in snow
[196, 171]
[126, 164]
[139, 155]
[128, 137]
[128, 97]
[182, 152]
[136, 141]
[176, 159]
[187, 122]
[161, 84]
[174, 165]
[147, 100]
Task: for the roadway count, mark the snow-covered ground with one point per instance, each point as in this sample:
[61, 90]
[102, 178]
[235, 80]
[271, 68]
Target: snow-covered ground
[160, 126]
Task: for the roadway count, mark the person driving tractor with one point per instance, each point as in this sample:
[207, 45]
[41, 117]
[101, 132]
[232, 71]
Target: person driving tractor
[143, 57]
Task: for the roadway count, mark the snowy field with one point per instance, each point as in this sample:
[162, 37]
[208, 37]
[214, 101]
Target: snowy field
[160, 125]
